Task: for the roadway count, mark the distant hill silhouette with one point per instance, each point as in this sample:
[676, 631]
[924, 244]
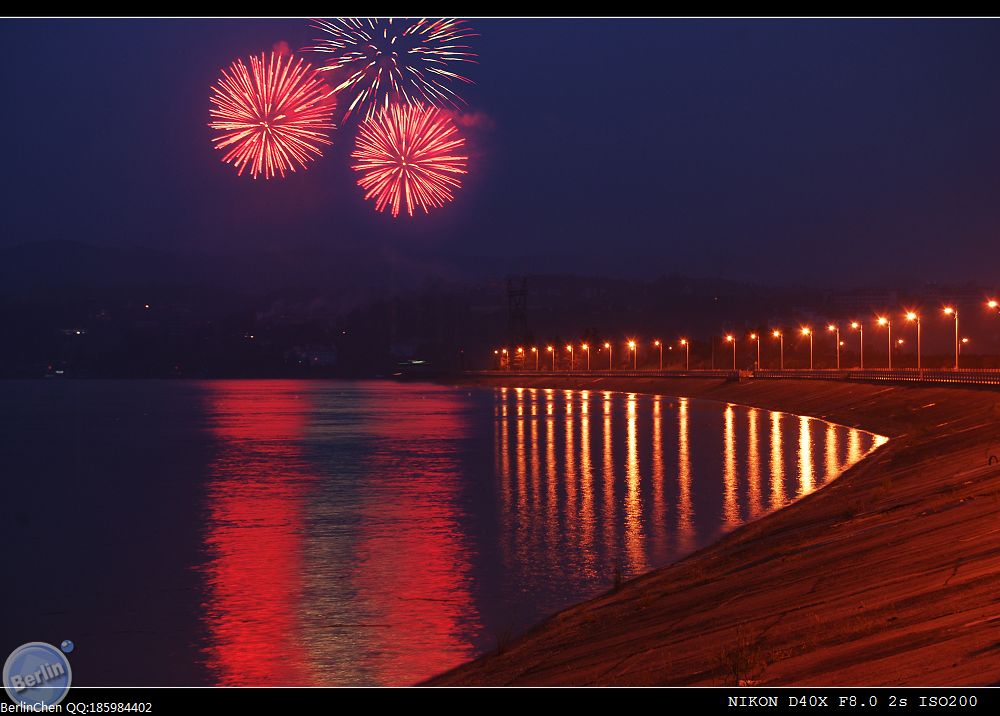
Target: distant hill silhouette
[63, 267]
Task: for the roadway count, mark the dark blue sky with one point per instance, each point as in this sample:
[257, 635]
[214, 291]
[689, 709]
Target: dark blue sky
[774, 151]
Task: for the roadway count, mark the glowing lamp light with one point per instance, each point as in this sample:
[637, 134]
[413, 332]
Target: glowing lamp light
[855, 325]
[730, 339]
[631, 345]
[776, 334]
[911, 316]
[949, 311]
[806, 331]
[883, 321]
[831, 327]
[992, 304]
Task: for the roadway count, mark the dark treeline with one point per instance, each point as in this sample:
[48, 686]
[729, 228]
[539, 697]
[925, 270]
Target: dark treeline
[88, 314]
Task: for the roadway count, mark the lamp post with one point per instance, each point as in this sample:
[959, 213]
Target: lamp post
[912, 316]
[756, 337]
[883, 321]
[496, 352]
[534, 350]
[505, 356]
[552, 351]
[836, 329]
[732, 340]
[635, 356]
[965, 342]
[687, 353]
[572, 362]
[586, 349]
[520, 356]
[660, 346]
[808, 332]
[859, 327]
[608, 346]
[952, 311]
[781, 342]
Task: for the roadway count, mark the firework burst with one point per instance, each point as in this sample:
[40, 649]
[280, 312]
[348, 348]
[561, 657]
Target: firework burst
[271, 117]
[408, 154]
[387, 61]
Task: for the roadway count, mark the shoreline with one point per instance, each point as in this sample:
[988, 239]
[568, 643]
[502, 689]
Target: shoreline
[884, 576]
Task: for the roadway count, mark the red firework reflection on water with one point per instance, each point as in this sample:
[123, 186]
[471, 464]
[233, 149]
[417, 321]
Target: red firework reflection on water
[409, 154]
[412, 559]
[273, 116]
[320, 572]
[256, 505]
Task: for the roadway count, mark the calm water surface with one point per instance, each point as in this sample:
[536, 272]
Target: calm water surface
[290, 532]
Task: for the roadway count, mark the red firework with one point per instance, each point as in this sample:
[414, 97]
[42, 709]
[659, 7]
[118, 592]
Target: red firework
[408, 154]
[271, 117]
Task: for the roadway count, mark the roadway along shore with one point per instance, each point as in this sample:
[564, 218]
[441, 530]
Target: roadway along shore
[887, 576]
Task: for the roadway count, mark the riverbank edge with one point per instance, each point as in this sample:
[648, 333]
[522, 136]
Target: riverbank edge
[561, 650]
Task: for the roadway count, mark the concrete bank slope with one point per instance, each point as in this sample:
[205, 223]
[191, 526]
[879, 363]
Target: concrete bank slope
[890, 575]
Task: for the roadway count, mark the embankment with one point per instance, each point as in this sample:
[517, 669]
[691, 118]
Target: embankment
[890, 575]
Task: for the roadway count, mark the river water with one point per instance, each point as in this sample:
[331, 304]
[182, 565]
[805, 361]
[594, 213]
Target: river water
[335, 533]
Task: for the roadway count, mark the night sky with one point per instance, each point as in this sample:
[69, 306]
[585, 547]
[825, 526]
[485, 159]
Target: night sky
[838, 152]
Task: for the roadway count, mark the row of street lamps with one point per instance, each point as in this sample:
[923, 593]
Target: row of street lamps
[503, 355]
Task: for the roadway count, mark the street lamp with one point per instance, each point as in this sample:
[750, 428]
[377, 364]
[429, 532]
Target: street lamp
[951, 311]
[535, 351]
[586, 349]
[733, 341]
[781, 341]
[992, 304]
[505, 355]
[572, 363]
[660, 346]
[499, 359]
[635, 356]
[859, 327]
[608, 346]
[520, 356]
[687, 353]
[755, 337]
[883, 321]
[808, 332]
[836, 329]
[965, 342]
[912, 316]
[552, 351]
